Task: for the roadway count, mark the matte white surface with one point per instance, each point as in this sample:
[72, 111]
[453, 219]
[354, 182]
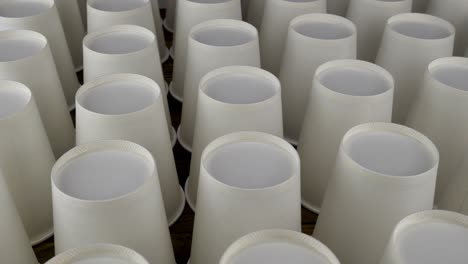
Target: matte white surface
[101, 261]
[250, 165]
[278, 253]
[13, 101]
[434, 243]
[117, 5]
[16, 9]
[354, 81]
[213, 44]
[103, 175]
[392, 154]
[25, 57]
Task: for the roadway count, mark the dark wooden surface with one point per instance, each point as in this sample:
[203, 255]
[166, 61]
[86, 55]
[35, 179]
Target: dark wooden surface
[181, 231]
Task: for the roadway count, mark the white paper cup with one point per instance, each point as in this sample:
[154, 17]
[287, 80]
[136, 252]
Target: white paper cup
[74, 29]
[163, 50]
[169, 20]
[337, 7]
[125, 49]
[105, 13]
[189, 14]
[104, 112]
[245, 178]
[255, 12]
[83, 11]
[108, 192]
[345, 93]
[455, 12]
[274, 28]
[439, 112]
[25, 57]
[410, 42]
[99, 254]
[420, 6]
[429, 237]
[14, 242]
[278, 247]
[454, 197]
[42, 16]
[370, 18]
[383, 173]
[26, 159]
[232, 99]
[213, 44]
[312, 40]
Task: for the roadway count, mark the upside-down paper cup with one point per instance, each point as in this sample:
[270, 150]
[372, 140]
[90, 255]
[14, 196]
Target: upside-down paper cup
[108, 192]
[104, 112]
[99, 253]
[276, 247]
[26, 159]
[274, 29]
[14, 242]
[455, 194]
[255, 12]
[345, 93]
[74, 29]
[244, 178]
[232, 99]
[105, 13]
[213, 44]
[383, 173]
[429, 237]
[25, 57]
[42, 16]
[337, 7]
[410, 42]
[313, 39]
[439, 112]
[189, 14]
[455, 12]
[370, 18]
[125, 49]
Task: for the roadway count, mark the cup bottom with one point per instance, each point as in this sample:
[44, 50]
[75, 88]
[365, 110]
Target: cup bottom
[171, 52]
[308, 206]
[174, 94]
[188, 197]
[43, 237]
[180, 209]
[167, 27]
[182, 142]
[165, 56]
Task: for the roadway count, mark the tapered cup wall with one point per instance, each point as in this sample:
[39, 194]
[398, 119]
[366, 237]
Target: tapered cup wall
[232, 99]
[125, 49]
[429, 237]
[84, 13]
[454, 197]
[74, 29]
[26, 159]
[420, 6]
[213, 44]
[25, 57]
[379, 166]
[277, 246]
[255, 12]
[370, 17]
[189, 14]
[274, 29]
[410, 42]
[169, 20]
[245, 178]
[158, 26]
[455, 12]
[312, 40]
[439, 112]
[14, 242]
[345, 93]
[104, 112]
[98, 253]
[42, 16]
[337, 7]
[108, 192]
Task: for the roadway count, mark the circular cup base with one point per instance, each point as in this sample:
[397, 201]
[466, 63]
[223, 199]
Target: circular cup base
[171, 52]
[312, 208]
[41, 238]
[167, 27]
[187, 195]
[173, 94]
[180, 209]
[173, 136]
[165, 56]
